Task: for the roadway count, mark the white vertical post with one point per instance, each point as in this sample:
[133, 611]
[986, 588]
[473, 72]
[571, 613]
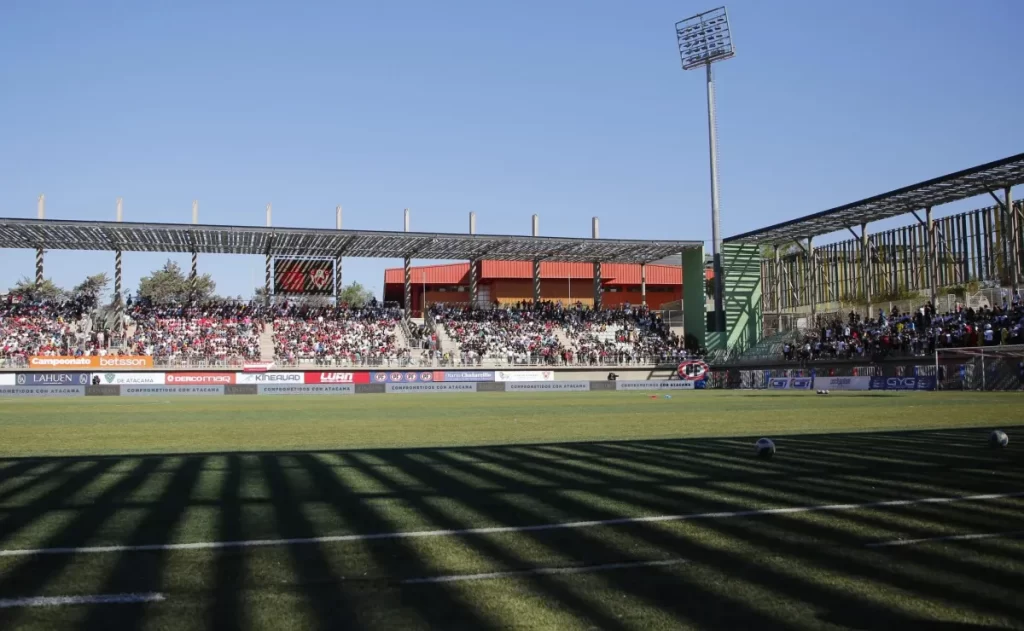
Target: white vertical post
[598, 287]
[643, 284]
[41, 214]
[118, 296]
[474, 278]
[337, 261]
[407, 267]
[536, 263]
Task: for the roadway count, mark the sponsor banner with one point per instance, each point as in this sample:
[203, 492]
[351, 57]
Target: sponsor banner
[790, 383]
[257, 366]
[42, 391]
[902, 383]
[200, 378]
[157, 391]
[130, 378]
[111, 362]
[547, 386]
[407, 388]
[336, 377]
[464, 375]
[6, 379]
[692, 370]
[524, 375]
[306, 389]
[403, 376]
[654, 385]
[842, 383]
[52, 379]
[269, 377]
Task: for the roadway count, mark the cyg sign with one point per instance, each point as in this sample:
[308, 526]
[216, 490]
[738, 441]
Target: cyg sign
[693, 371]
[903, 383]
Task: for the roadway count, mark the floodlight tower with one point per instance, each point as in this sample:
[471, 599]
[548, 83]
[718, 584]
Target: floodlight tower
[704, 39]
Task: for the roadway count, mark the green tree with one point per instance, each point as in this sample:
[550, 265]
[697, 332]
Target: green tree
[355, 295]
[48, 290]
[92, 287]
[169, 284]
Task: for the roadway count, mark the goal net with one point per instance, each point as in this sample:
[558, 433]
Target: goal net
[991, 368]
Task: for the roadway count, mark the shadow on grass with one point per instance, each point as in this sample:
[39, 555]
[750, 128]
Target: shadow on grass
[784, 571]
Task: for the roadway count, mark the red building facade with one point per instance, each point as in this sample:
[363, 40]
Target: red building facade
[509, 282]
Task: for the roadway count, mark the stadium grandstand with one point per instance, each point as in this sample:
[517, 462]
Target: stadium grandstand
[609, 325]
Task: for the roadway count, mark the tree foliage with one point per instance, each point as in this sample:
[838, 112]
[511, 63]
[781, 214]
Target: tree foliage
[48, 290]
[355, 295]
[170, 284]
[92, 287]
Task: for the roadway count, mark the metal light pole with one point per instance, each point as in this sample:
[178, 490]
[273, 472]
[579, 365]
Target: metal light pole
[704, 39]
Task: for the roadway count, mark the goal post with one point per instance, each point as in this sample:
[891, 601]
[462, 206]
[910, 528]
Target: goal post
[982, 368]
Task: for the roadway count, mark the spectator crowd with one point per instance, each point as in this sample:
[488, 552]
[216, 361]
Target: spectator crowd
[917, 333]
[338, 336]
[45, 327]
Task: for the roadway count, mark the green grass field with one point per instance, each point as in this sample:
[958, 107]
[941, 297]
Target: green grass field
[603, 510]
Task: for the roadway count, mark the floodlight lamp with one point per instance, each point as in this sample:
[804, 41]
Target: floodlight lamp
[704, 38]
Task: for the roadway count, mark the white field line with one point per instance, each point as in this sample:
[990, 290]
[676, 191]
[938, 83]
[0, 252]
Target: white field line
[541, 571]
[571, 525]
[910, 542]
[64, 601]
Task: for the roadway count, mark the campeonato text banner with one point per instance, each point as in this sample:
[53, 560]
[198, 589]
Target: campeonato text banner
[86, 363]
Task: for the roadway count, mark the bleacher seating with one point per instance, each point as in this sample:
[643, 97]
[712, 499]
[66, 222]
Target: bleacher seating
[223, 332]
[342, 337]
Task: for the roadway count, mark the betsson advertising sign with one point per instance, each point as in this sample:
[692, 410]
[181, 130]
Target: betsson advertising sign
[293, 378]
[200, 378]
[336, 377]
[37, 379]
[842, 383]
[524, 375]
[130, 378]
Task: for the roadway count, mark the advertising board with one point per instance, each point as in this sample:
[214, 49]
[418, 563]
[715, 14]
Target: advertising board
[790, 383]
[662, 384]
[524, 375]
[336, 377]
[131, 378]
[410, 388]
[464, 375]
[200, 378]
[403, 376]
[6, 378]
[111, 362]
[257, 378]
[257, 366]
[842, 383]
[903, 383]
[42, 391]
[547, 386]
[305, 389]
[35, 379]
[158, 391]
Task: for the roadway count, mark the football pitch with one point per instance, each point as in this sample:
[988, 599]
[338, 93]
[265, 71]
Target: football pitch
[600, 510]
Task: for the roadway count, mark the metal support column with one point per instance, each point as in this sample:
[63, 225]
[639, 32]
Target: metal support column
[865, 265]
[812, 280]
[1014, 239]
[643, 284]
[41, 213]
[598, 287]
[777, 285]
[407, 278]
[268, 286]
[933, 261]
[536, 264]
[193, 277]
[118, 296]
[338, 286]
[716, 236]
[474, 264]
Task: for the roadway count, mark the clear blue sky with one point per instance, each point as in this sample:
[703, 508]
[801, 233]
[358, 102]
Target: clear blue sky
[565, 109]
